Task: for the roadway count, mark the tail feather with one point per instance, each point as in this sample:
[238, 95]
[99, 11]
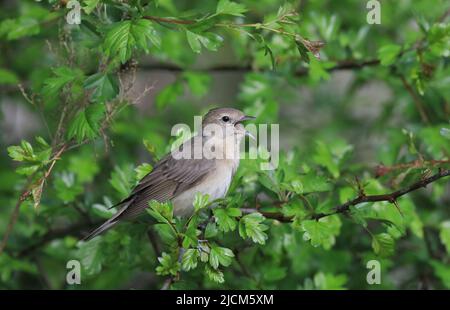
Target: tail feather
[111, 222]
[104, 227]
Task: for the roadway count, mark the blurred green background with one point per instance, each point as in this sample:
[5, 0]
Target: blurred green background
[374, 106]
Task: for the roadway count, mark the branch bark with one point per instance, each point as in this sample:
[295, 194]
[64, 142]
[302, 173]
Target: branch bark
[362, 198]
[341, 65]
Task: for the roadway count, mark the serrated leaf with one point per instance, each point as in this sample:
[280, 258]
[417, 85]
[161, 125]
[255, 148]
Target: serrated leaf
[322, 232]
[200, 201]
[91, 256]
[219, 255]
[62, 77]
[122, 179]
[128, 35]
[250, 226]
[89, 5]
[193, 41]
[388, 54]
[211, 230]
[142, 170]
[214, 274]
[87, 123]
[383, 244]
[224, 220]
[105, 86]
[168, 265]
[230, 8]
[190, 259]
[103, 211]
[169, 95]
[209, 40]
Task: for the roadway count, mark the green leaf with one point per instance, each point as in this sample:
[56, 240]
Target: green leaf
[169, 95]
[230, 8]
[87, 123]
[383, 244]
[209, 40]
[91, 256]
[219, 255]
[22, 152]
[103, 211]
[225, 218]
[211, 230]
[328, 281]
[90, 5]
[162, 212]
[67, 187]
[23, 26]
[85, 165]
[313, 183]
[142, 170]
[444, 234]
[122, 179]
[105, 86]
[442, 271]
[198, 83]
[128, 35]
[322, 232]
[193, 41]
[168, 265]
[214, 274]
[62, 77]
[200, 201]
[32, 159]
[250, 226]
[388, 54]
[190, 259]
[8, 77]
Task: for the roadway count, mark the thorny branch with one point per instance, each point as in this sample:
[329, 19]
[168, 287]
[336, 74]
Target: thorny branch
[362, 198]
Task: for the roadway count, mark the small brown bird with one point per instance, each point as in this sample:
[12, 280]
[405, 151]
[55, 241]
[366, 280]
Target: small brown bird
[204, 164]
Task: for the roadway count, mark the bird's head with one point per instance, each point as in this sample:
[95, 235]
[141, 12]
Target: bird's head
[228, 120]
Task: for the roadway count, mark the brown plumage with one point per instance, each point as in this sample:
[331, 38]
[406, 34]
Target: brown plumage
[179, 179]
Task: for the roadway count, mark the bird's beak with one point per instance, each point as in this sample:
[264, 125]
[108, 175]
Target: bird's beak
[246, 118]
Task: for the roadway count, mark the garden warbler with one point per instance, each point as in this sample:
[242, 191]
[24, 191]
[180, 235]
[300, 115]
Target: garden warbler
[204, 164]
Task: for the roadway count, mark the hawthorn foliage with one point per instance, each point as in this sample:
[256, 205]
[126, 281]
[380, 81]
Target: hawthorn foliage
[349, 185]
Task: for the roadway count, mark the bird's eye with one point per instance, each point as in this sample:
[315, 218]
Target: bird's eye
[225, 118]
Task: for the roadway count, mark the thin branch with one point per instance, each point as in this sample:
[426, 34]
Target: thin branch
[381, 170]
[341, 65]
[170, 20]
[15, 214]
[345, 207]
[27, 191]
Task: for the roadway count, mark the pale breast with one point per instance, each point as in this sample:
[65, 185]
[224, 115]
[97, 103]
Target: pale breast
[215, 184]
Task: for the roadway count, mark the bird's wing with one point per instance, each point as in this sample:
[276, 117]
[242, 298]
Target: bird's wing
[169, 178]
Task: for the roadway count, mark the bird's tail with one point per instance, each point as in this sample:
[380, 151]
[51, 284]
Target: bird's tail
[111, 222]
[102, 228]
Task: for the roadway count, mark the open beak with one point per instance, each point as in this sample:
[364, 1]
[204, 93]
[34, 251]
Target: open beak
[247, 118]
